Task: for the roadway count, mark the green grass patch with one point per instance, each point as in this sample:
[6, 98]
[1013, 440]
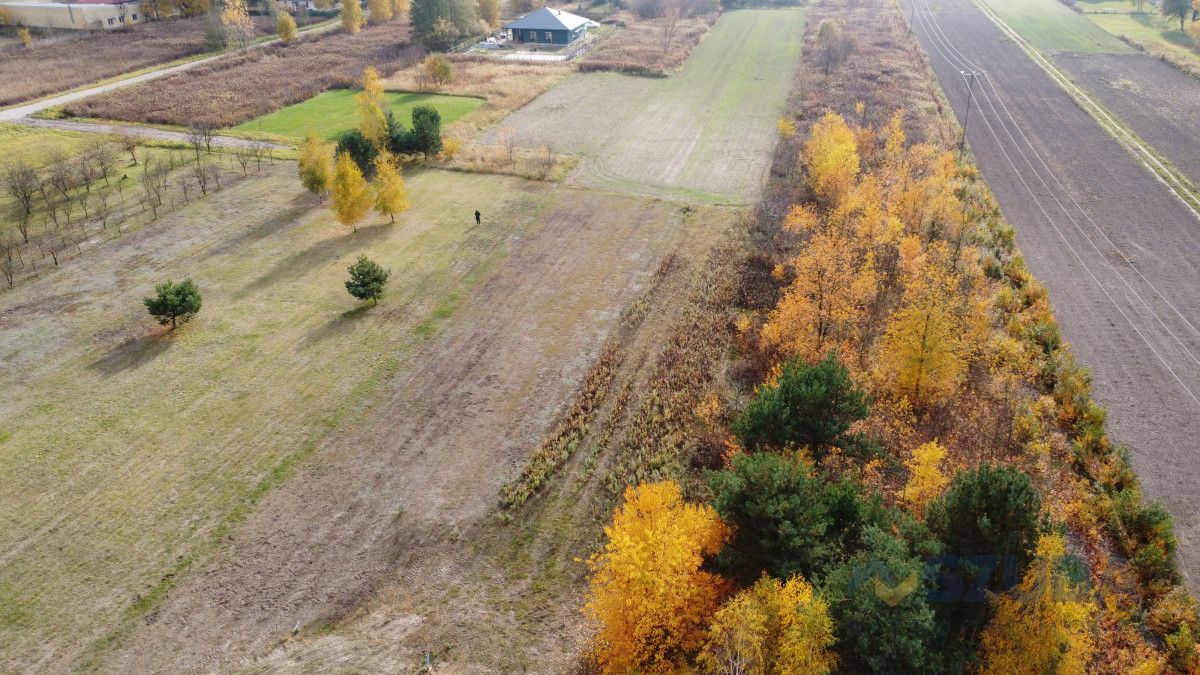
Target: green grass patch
[333, 112]
[1153, 31]
[1052, 26]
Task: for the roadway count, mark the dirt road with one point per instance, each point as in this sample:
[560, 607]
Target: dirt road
[428, 459]
[1115, 248]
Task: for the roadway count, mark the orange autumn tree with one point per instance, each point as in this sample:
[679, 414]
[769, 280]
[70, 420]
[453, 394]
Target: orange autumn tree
[648, 596]
[931, 337]
[824, 305]
[1043, 625]
[774, 627]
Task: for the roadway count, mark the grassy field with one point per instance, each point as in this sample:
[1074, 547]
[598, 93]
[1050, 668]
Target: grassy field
[504, 87]
[1050, 25]
[127, 450]
[333, 112]
[34, 145]
[1120, 17]
[703, 134]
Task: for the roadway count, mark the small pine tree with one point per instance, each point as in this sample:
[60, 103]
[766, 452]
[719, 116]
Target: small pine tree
[390, 196]
[174, 302]
[352, 16]
[809, 407]
[285, 27]
[350, 195]
[367, 278]
[316, 167]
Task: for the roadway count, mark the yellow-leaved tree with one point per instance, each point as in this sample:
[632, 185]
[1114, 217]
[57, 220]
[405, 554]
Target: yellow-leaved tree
[352, 16]
[400, 8]
[489, 12]
[1041, 626]
[774, 627]
[236, 20]
[831, 155]
[926, 479]
[349, 192]
[390, 196]
[316, 164]
[285, 27]
[825, 304]
[648, 594]
[381, 10]
[372, 121]
[923, 355]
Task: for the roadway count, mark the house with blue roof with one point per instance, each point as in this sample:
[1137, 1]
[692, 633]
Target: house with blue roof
[549, 26]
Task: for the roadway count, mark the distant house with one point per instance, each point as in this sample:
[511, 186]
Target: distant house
[549, 27]
[79, 14]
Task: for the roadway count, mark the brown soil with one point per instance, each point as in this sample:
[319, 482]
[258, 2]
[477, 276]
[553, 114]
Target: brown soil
[402, 496]
[1160, 103]
[1130, 317]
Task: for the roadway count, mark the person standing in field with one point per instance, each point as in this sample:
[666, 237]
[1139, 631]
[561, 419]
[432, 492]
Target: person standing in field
[477, 216]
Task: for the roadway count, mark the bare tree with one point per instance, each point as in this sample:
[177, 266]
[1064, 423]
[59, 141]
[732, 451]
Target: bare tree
[21, 183]
[201, 175]
[260, 149]
[129, 141]
[214, 172]
[152, 187]
[243, 158]
[508, 136]
[670, 23]
[8, 259]
[195, 138]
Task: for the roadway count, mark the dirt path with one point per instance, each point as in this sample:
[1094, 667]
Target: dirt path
[1115, 248]
[426, 462]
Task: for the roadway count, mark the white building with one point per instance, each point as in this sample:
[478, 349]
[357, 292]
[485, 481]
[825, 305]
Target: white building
[78, 14]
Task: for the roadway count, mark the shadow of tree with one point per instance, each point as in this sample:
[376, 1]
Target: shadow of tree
[337, 326]
[134, 353]
[302, 204]
[320, 253]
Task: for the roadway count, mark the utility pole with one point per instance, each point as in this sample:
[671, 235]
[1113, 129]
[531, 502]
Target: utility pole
[970, 78]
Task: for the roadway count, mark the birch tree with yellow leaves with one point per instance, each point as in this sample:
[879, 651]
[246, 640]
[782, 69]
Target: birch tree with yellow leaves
[372, 121]
[649, 597]
[926, 479]
[351, 198]
[390, 195]
[773, 627]
[831, 156]
[1043, 625]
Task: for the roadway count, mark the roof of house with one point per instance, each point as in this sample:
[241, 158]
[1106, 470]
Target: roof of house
[549, 19]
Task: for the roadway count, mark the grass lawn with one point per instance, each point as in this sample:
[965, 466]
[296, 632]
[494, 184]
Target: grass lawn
[333, 112]
[1050, 25]
[703, 134]
[34, 145]
[1153, 31]
[127, 451]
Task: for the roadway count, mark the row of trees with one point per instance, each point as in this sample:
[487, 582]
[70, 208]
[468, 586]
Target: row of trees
[175, 303]
[829, 575]
[440, 24]
[57, 205]
[796, 564]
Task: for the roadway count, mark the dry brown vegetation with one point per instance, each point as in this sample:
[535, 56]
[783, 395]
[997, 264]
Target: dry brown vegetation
[642, 48]
[504, 85]
[243, 86]
[59, 65]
